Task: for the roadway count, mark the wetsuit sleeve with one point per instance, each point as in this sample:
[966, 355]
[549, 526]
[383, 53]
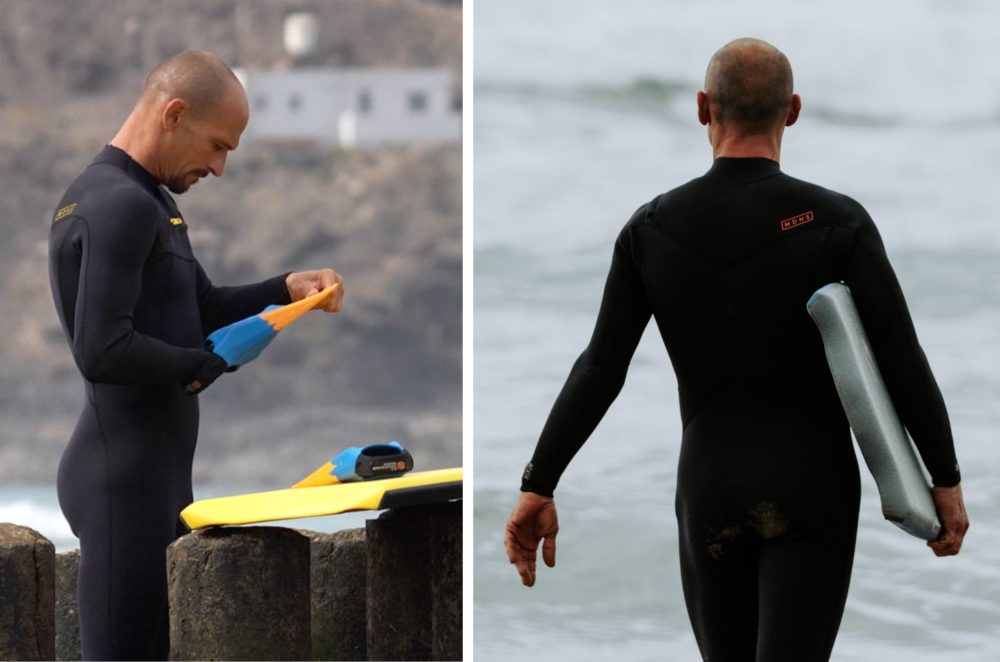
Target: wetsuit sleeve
[221, 306]
[106, 347]
[598, 374]
[904, 367]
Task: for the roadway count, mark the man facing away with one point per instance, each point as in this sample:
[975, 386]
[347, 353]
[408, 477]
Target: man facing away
[136, 306]
[767, 483]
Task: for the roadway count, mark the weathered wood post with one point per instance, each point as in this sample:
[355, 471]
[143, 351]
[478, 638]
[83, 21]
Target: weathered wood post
[415, 583]
[339, 595]
[27, 594]
[239, 593]
[67, 610]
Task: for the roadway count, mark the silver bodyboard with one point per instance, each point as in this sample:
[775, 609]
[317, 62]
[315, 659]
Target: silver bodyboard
[884, 443]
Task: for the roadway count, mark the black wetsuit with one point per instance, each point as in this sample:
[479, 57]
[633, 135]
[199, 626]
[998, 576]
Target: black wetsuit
[136, 307]
[768, 486]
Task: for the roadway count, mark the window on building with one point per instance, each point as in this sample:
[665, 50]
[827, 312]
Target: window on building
[416, 101]
[260, 102]
[295, 101]
[364, 102]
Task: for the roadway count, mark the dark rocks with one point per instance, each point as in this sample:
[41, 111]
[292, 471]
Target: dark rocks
[339, 595]
[27, 587]
[415, 583]
[239, 593]
[67, 615]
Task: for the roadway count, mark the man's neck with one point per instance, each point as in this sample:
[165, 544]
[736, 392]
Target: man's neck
[133, 140]
[742, 147]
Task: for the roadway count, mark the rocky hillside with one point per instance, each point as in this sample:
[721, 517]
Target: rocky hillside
[389, 366]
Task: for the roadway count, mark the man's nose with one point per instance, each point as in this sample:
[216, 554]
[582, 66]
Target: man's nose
[217, 165]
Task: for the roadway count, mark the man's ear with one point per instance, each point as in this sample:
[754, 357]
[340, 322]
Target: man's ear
[704, 109]
[174, 114]
[793, 110]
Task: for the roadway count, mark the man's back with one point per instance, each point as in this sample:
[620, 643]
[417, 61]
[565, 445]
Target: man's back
[728, 262]
[727, 280]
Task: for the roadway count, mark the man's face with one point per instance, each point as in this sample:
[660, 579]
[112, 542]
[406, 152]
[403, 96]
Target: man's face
[199, 146]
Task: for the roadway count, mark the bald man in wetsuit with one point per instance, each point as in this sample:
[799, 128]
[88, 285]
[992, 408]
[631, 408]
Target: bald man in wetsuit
[136, 306]
[767, 483]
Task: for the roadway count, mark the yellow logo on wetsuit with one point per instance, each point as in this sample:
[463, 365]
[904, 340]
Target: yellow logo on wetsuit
[177, 221]
[64, 212]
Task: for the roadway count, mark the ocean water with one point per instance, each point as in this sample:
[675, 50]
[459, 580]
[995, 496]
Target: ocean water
[583, 111]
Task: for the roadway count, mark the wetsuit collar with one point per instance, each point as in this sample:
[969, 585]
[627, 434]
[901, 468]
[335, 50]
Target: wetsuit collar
[743, 169]
[120, 159]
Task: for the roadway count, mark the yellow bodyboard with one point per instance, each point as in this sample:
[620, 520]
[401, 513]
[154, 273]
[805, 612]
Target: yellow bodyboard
[294, 503]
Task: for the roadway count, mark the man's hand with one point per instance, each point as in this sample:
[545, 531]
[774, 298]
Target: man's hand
[302, 284]
[954, 521]
[210, 370]
[534, 518]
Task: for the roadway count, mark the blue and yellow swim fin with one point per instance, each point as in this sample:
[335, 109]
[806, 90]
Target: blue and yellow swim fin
[388, 460]
[243, 341]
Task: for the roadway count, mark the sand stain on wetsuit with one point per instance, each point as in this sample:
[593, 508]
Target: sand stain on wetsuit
[768, 486]
[135, 306]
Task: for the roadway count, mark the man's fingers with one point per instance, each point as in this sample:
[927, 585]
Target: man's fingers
[521, 549]
[951, 511]
[948, 544]
[511, 544]
[549, 551]
[940, 548]
[335, 302]
[524, 562]
[328, 277]
[527, 575]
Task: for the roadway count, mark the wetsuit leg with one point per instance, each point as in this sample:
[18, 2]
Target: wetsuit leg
[719, 578]
[803, 588]
[765, 600]
[766, 552]
[121, 490]
[122, 593]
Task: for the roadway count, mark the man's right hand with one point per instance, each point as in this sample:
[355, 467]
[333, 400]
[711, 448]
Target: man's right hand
[210, 370]
[533, 519]
[954, 521]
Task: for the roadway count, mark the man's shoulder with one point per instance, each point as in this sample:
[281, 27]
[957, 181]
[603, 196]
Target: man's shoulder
[834, 207]
[103, 191]
[850, 210]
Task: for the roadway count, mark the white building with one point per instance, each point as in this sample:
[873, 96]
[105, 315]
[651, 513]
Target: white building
[349, 107]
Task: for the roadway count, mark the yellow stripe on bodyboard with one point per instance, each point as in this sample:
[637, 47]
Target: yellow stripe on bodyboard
[294, 503]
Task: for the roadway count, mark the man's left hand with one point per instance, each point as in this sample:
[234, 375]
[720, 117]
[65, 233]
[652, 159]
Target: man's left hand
[302, 284]
[954, 521]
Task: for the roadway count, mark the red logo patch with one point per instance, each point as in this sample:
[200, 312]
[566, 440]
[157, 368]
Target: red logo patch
[796, 221]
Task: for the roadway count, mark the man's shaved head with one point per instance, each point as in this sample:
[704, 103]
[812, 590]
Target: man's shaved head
[190, 115]
[749, 84]
[199, 78]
